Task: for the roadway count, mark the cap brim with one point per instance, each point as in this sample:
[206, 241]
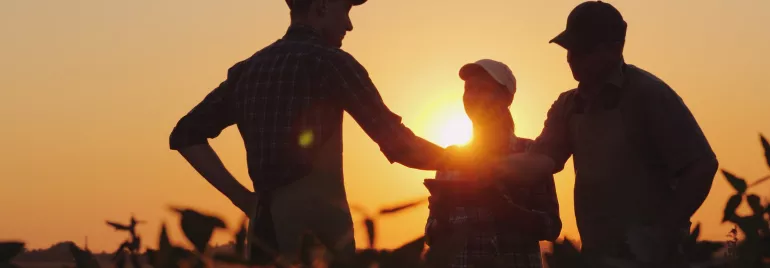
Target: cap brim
[358, 2]
[564, 39]
[470, 69]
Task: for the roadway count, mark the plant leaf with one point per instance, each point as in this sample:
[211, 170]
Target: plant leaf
[83, 258]
[564, 254]
[311, 251]
[766, 146]
[402, 207]
[756, 204]
[230, 259]
[737, 183]
[198, 228]
[407, 255]
[164, 256]
[8, 250]
[704, 251]
[370, 231]
[135, 261]
[732, 204]
[240, 240]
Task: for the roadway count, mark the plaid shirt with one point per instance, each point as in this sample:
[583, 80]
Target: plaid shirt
[486, 240]
[288, 100]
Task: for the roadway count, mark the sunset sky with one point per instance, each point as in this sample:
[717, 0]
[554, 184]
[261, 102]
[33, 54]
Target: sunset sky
[90, 90]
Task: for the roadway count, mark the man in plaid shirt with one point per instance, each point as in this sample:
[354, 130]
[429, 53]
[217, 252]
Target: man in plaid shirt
[288, 101]
[493, 222]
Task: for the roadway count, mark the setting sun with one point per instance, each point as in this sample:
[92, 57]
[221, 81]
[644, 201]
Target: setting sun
[453, 128]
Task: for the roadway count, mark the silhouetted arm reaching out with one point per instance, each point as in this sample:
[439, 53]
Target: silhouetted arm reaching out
[360, 98]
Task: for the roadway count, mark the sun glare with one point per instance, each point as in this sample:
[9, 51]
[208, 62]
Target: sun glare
[454, 129]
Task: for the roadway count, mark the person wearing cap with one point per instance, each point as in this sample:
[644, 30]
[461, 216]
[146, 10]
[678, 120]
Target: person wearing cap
[504, 223]
[288, 101]
[642, 164]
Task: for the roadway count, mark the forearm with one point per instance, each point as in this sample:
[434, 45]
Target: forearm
[422, 155]
[524, 168]
[206, 161]
[692, 187]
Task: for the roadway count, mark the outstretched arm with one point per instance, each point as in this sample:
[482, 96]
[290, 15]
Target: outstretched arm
[205, 121]
[547, 155]
[360, 98]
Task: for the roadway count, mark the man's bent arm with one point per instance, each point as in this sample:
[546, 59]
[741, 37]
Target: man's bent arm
[683, 149]
[691, 189]
[360, 98]
[206, 121]
[206, 161]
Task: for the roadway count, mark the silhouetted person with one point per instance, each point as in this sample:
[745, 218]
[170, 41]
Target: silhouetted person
[642, 164]
[288, 101]
[504, 222]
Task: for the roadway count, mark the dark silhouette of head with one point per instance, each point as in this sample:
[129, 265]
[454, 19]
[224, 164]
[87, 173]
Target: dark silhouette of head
[489, 90]
[331, 18]
[594, 39]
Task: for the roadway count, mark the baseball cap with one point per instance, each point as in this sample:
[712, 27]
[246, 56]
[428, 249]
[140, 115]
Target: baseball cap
[592, 23]
[291, 3]
[498, 70]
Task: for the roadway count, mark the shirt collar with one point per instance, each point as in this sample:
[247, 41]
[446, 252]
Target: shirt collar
[303, 32]
[617, 76]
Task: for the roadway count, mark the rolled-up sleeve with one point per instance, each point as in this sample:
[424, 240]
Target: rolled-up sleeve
[361, 99]
[209, 117]
[554, 139]
[675, 134]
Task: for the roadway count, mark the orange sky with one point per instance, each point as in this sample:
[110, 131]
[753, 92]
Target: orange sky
[90, 90]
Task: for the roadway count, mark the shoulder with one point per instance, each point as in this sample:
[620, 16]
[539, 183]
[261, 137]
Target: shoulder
[647, 85]
[564, 100]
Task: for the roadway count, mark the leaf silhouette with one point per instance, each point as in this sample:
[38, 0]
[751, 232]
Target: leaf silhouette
[166, 255]
[407, 255]
[135, 261]
[230, 259]
[732, 204]
[565, 254]
[151, 256]
[198, 228]
[766, 146]
[693, 238]
[756, 204]
[401, 207]
[240, 240]
[120, 261]
[83, 258]
[704, 251]
[737, 183]
[8, 250]
[311, 251]
[370, 231]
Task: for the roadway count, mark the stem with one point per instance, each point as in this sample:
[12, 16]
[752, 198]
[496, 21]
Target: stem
[766, 178]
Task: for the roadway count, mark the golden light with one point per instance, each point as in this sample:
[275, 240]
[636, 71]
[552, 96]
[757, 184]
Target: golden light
[452, 127]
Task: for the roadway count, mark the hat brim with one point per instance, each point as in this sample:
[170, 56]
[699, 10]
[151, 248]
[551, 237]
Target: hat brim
[471, 69]
[358, 2]
[564, 39]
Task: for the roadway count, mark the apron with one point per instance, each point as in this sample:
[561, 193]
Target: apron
[316, 203]
[615, 189]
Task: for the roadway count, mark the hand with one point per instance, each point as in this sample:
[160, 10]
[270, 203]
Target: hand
[247, 202]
